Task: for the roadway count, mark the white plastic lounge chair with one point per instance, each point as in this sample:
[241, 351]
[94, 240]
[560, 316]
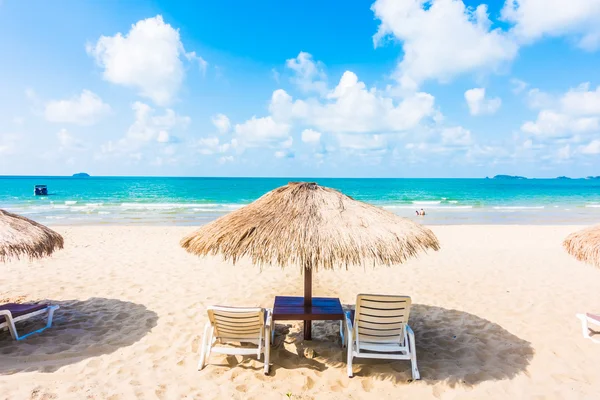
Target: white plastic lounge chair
[229, 325]
[12, 312]
[378, 328]
[586, 321]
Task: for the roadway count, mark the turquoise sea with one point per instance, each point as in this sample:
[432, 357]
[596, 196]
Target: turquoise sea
[194, 201]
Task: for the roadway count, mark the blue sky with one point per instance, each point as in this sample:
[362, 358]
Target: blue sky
[391, 88]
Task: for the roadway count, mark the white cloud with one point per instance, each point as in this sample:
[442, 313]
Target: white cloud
[456, 136]
[148, 58]
[85, 109]
[537, 99]
[287, 143]
[582, 101]
[262, 131]
[478, 104]
[535, 19]
[202, 63]
[591, 148]
[441, 39]
[149, 127]
[349, 109]
[564, 153]
[68, 142]
[518, 85]
[554, 124]
[209, 142]
[148, 131]
[221, 122]
[213, 145]
[577, 112]
[284, 154]
[311, 136]
[353, 108]
[275, 75]
[163, 137]
[363, 143]
[225, 159]
[308, 74]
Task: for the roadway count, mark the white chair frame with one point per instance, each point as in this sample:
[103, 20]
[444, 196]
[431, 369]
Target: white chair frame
[211, 338]
[400, 346]
[10, 321]
[586, 321]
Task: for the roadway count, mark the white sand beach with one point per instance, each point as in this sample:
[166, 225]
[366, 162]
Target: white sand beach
[494, 317]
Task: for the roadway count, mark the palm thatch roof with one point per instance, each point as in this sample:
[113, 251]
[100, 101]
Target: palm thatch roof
[21, 236]
[584, 245]
[314, 227]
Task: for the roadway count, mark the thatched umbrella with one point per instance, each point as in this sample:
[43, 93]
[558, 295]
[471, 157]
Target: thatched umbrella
[313, 227]
[584, 245]
[21, 236]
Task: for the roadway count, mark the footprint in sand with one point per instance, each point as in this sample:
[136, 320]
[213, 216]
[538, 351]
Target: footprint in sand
[241, 388]
[367, 385]
[309, 383]
[160, 391]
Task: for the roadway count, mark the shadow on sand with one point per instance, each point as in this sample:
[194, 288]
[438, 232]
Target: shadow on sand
[81, 329]
[453, 346]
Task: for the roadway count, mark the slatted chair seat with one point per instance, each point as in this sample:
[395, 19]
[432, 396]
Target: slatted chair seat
[229, 326]
[378, 328]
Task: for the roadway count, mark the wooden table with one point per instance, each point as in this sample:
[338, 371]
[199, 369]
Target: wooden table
[288, 308]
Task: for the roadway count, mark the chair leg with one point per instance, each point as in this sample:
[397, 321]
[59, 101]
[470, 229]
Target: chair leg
[259, 351]
[350, 354]
[202, 360]
[349, 344]
[413, 356]
[51, 315]
[342, 328]
[204, 346]
[272, 327]
[12, 328]
[349, 362]
[267, 352]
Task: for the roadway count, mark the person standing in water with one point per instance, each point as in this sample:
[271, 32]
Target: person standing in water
[420, 212]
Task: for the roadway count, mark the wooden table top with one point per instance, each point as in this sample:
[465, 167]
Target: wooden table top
[293, 309]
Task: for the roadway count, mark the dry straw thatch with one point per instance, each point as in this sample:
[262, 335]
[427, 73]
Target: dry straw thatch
[21, 236]
[584, 245]
[314, 227]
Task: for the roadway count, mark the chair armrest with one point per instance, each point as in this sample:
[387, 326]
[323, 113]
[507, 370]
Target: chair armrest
[409, 331]
[6, 312]
[349, 322]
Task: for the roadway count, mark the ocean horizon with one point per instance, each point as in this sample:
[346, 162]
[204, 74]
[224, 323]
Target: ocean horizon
[198, 200]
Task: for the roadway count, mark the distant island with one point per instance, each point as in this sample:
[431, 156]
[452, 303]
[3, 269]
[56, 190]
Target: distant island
[81, 175]
[509, 177]
[593, 177]
[563, 177]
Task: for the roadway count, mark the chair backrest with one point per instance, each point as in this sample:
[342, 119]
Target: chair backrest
[381, 319]
[233, 323]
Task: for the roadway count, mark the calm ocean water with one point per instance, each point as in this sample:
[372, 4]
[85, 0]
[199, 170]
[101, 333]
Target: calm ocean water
[194, 201]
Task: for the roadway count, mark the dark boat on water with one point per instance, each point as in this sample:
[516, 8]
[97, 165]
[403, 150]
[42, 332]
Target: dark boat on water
[40, 190]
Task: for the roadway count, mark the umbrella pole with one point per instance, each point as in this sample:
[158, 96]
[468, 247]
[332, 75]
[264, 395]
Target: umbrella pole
[307, 301]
